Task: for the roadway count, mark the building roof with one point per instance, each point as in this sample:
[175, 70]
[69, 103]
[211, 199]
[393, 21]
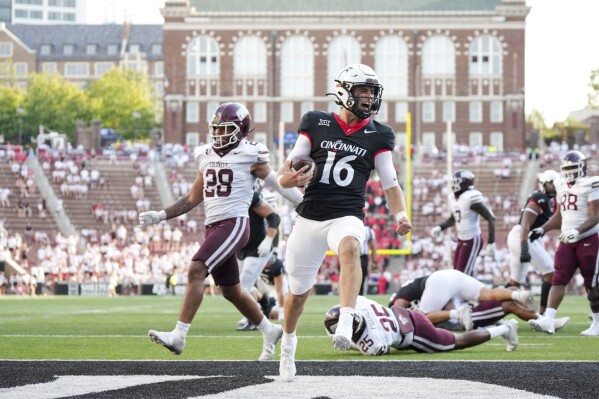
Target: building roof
[238, 6]
[583, 115]
[57, 36]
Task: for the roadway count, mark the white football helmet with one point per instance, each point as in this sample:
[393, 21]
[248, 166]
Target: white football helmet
[545, 178]
[352, 76]
[573, 166]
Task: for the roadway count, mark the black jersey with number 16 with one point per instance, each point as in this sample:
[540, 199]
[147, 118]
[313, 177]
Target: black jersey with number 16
[344, 158]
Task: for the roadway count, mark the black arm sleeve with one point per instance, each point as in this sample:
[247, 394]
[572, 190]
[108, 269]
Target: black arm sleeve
[273, 220]
[486, 213]
[448, 223]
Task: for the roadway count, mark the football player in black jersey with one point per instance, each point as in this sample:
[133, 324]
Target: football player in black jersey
[540, 206]
[264, 228]
[346, 148]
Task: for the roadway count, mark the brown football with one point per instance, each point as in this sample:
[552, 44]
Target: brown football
[298, 163]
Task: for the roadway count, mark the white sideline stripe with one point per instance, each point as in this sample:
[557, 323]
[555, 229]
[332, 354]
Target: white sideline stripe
[544, 336]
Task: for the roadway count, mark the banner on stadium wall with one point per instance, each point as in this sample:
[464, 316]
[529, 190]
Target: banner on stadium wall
[81, 289]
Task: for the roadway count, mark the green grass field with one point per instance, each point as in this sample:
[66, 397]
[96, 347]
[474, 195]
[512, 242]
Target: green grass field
[74, 328]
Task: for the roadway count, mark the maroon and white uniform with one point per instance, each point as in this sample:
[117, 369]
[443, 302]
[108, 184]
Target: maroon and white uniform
[398, 328]
[228, 192]
[228, 183]
[467, 222]
[573, 202]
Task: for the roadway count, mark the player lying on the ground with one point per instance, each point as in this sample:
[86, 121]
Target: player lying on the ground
[435, 291]
[377, 329]
[487, 313]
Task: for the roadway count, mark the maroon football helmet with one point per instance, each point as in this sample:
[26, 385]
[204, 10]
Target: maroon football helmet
[461, 181]
[229, 125]
[331, 319]
[573, 166]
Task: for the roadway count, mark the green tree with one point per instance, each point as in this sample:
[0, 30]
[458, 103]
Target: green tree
[593, 101]
[54, 103]
[117, 96]
[548, 134]
[10, 100]
[572, 131]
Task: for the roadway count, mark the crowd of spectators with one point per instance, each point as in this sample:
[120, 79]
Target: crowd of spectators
[130, 256]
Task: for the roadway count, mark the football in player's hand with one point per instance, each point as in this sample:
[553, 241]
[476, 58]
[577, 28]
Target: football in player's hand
[299, 162]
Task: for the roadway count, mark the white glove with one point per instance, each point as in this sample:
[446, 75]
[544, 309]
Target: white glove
[151, 217]
[569, 236]
[536, 233]
[490, 252]
[265, 247]
[435, 231]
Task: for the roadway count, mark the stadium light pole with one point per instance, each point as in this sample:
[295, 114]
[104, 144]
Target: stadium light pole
[136, 115]
[20, 112]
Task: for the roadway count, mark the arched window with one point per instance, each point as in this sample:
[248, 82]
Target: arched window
[343, 50]
[485, 56]
[297, 67]
[438, 56]
[249, 57]
[203, 58]
[391, 65]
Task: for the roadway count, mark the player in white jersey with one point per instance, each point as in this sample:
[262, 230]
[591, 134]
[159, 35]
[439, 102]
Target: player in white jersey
[432, 293]
[466, 206]
[578, 216]
[377, 329]
[227, 170]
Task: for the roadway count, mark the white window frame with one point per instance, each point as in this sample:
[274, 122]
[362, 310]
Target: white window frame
[112, 49]
[475, 111]
[68, 49]
[383, 114]
[401, 111]
[159, 68]
[428, 111]
[260, 137]
[211, 106]
[91, 49]
[192, 139]
[475, 139]
[100, 68]
[192, 112]
[306, 106]
[429, 142]
[49, 67]
[496, 111]
[21, 68]
[496, 139]
[260, 113]
[287, 111]
[46, 49]
[6, 49]
[448, 111]
[83, 73]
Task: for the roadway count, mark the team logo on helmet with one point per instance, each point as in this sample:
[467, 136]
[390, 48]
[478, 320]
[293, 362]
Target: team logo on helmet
[573, 166]
[352, 77]
[461, 181]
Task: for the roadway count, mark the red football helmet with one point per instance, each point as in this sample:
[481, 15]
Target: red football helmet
[229, 125]
[331, 319]
[573, 166]
[461, 181]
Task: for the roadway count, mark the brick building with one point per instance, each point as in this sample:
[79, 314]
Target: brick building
[456, 60]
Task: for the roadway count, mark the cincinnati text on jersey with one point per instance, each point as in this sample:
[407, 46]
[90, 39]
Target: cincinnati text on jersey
[341, 146]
